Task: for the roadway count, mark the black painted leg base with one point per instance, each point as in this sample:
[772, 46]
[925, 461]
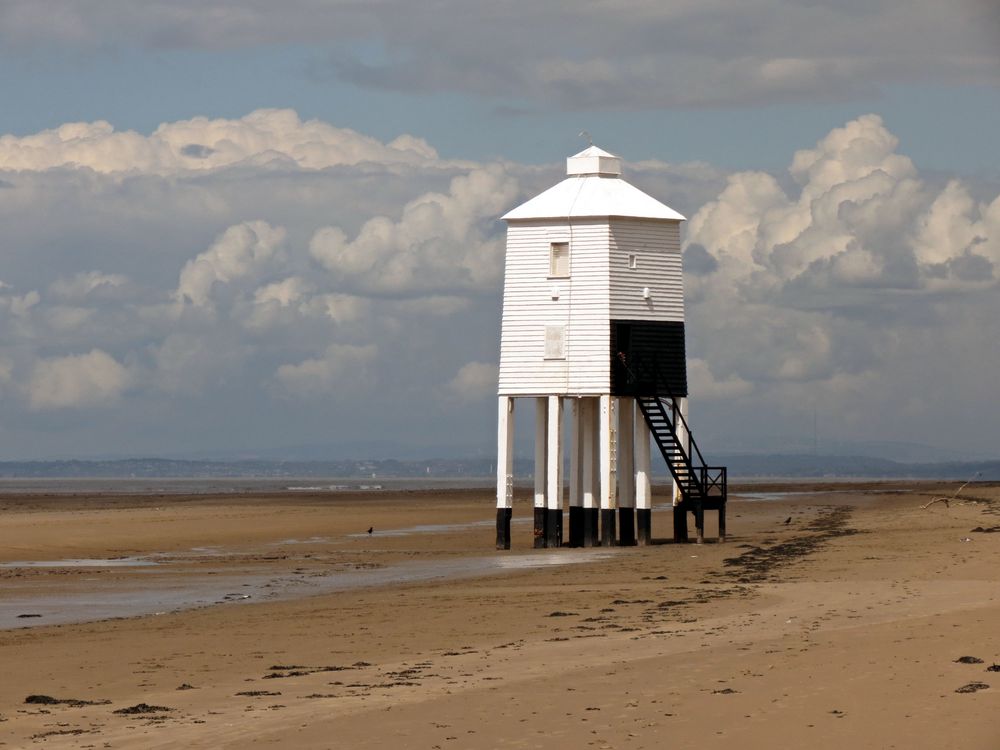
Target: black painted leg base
[590, 527]
[680, 524]
[503, 527]
[644, 526]
[575, 526]
[553, 527]
[539, 528]
[608, 527]
[626, 527]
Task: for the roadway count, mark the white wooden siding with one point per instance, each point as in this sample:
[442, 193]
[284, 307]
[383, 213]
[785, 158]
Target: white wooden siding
[657, 245]
[529, 307]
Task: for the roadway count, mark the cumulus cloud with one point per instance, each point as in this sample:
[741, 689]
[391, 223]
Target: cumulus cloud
[803, 293]
[954, 231]
[442, 242]
[261, 137]
[704, 385]
[270, 296]
[20, 305]
[242, 251]
[76, 381]
[199, 280]
[474, 381]
[88, 285]
[342, 367]
[862, 219]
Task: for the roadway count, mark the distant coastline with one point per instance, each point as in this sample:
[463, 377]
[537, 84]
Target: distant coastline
[416, 473]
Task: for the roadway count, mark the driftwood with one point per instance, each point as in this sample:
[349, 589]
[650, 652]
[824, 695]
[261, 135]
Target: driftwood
[948, 500]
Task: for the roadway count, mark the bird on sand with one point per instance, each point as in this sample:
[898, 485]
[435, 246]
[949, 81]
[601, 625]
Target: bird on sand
[371, 529]
[787, 521]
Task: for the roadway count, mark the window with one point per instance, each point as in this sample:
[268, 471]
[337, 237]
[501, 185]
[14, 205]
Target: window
[558, 260]
[555, 342]
[633, 261]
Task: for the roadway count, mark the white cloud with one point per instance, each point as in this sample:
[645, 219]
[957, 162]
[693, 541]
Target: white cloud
[20, 305]
[704, 385]
[85, 284]
[955, 228]
[342, 367]
[282, 293]
[474, 381]
[442, 242]
[312, 293]
[339, 308]
[76, 380]
[200, 144]
[830, 285]
[862, 219]
[242, 251]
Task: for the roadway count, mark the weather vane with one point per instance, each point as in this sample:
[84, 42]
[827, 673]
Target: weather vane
[585, 134]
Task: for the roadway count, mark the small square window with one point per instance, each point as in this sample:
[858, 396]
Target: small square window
[633, 261]
[555, 342]
[558, 260]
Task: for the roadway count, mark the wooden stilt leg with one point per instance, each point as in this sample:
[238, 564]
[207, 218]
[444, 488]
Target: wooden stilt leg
[541, 441]
[553, 474]
[505, 470]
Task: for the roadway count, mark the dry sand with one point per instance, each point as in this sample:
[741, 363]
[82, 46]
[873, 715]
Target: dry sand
[838, 629]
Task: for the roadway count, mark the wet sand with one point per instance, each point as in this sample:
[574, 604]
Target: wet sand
[842, 627]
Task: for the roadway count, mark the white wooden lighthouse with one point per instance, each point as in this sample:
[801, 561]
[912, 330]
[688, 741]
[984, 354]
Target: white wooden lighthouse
[593, 322]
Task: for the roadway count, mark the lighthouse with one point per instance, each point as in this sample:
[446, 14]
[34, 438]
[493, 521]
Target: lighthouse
[593, 335]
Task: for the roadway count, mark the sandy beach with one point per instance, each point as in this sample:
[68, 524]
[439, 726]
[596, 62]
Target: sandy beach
[276, 620]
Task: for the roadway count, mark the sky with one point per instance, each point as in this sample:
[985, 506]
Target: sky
[255, 228]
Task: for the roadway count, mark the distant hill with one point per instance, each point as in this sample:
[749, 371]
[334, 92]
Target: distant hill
[152, 468]
[866, 467]
[740, 466]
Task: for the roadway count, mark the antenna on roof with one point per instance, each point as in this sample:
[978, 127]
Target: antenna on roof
[585, 134]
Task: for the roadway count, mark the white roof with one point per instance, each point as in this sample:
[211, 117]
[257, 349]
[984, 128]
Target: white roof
[594, 188]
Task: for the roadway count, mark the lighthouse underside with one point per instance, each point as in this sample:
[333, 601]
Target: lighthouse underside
[609, 471]
[648, 358]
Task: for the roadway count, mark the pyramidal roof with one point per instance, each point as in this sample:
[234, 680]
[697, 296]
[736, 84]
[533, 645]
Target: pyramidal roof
[593, 187]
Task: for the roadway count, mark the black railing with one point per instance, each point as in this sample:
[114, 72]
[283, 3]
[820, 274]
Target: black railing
[714, 485]
[641, 377]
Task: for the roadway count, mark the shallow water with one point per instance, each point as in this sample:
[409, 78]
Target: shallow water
[227, 485]
[436, 528]
[763, 496]
[114, 562]
[175, 590]
[158, 596]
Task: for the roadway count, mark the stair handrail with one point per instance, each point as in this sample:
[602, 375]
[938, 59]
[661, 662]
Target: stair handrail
[699, 473]
[659, 379]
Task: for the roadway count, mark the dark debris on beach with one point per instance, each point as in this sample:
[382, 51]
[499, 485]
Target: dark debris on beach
[48, 700]
[757, 563]
[972, 687]
[141, 708]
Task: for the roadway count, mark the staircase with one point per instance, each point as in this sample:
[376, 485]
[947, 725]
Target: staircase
[701, 487]
[695, 483]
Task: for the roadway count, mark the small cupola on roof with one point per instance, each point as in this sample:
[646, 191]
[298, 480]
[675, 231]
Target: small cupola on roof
[593, 161]
[593, 187]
